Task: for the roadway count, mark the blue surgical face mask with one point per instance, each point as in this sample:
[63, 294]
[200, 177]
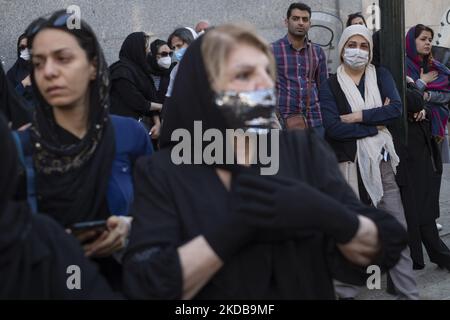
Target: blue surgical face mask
[178, 54]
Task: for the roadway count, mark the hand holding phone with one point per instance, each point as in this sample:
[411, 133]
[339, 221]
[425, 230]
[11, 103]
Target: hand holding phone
[112, 240]
[88, 230]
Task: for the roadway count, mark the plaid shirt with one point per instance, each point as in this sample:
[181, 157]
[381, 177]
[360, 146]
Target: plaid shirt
[293, 68]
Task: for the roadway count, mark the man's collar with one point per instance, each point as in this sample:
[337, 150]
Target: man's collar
[306, 43]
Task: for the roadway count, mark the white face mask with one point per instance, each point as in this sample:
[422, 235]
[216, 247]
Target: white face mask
[356, 58]
[25, 54]
[165, 62]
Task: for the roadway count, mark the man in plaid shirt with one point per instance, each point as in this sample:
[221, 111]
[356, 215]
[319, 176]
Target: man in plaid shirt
[301, 68]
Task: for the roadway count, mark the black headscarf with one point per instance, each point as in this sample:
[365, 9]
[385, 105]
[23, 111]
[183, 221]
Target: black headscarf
[72, 174]
[21, 68]
[133, 64]
[15, 220]
[192, 98]
[11, 105]
[155, 69]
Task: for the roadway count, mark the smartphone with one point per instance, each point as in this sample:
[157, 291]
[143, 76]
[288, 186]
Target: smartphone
[99, 225]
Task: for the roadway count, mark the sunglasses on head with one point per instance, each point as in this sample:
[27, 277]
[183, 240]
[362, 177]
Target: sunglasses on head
[39, 24]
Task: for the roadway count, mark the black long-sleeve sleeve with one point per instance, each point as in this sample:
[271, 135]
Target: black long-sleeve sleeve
[54, 252]
[131, 97]
[152, 266]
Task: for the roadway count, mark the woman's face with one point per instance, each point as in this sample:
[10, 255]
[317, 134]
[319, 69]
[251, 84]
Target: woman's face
[61, 68]
[178, 43]
[23, 44]
[358, 42]
[247, 69]
[163, 51]
[358, 20]
[423, 43]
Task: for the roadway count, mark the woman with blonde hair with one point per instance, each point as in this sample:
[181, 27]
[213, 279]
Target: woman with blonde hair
[223, 231]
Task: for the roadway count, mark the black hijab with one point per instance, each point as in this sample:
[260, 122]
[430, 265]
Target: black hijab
[72, 174]
[15, 221]
[155, 69]
[11, 105]
[21, 68]
[192, 98]
[133, 64]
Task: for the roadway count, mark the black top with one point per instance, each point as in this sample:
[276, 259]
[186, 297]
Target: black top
[11, 105]
[19, 71]
[175, 204]
[132, 88]
[423, 168]
[39, 269]
[35, 252]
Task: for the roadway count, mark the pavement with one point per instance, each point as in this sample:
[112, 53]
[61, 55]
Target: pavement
[433, 283]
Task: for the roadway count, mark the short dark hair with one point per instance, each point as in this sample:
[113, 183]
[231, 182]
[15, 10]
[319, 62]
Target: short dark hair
[353, 16]
[182, 33]
[421, 28]
[300, 6]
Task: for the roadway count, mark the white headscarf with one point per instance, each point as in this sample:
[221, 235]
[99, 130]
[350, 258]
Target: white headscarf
[194, 34]
[369, 149]
[351, 31]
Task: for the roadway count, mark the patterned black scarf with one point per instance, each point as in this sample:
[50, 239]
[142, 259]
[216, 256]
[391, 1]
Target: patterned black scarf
[72, 178]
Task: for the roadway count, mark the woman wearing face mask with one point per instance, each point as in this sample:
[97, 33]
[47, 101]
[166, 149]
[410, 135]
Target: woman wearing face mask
[425, 129]
[11, 105]
[81, 156]
[19, 74]
[355, 120]
[223, 231]
[132, 89]
[160, 61]
[20, 71]
[432, 78]
[179, 41]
